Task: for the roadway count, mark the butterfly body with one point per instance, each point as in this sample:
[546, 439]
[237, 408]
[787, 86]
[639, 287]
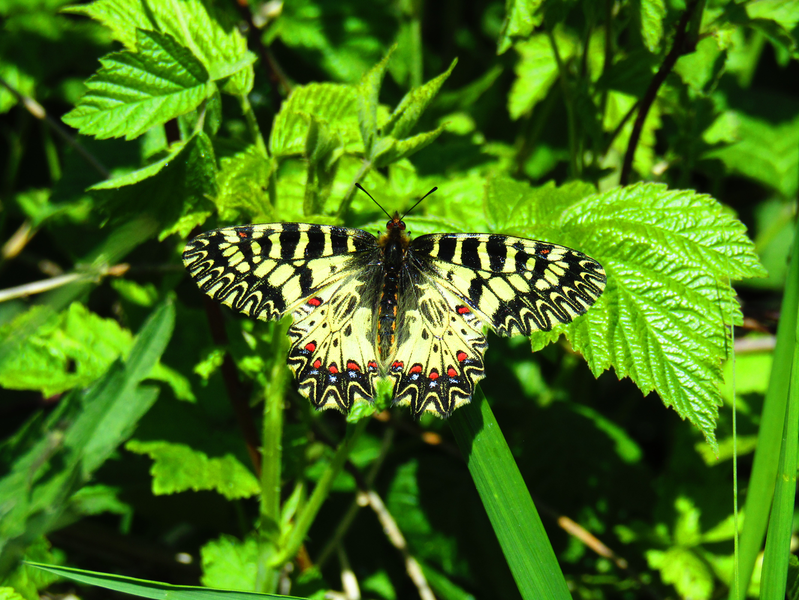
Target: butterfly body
[414, 311]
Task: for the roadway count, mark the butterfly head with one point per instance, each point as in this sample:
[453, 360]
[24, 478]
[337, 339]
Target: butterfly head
[396, 222]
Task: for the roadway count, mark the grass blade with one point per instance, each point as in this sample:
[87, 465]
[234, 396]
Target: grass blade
[151, 589]
[507, 502]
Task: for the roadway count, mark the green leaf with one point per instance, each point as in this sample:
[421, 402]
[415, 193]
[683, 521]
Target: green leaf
[197, 25]
[178, 468]
[652, 14]
[135, 91]
[333, 103]
[537, 70]
[71, 350]
[413, 104]
[668, 256]
[368, 93]
[174, 190]
[230, 563]
[701, 69]
[7, 593]
[686, 571]
[521, 17]
[152, 589]
[109, 416]
[242, 182]
[76, 439]
[758, 148]
[507, 502]
[388, 150]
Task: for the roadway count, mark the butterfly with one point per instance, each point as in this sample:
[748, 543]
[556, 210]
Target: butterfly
[412, 310]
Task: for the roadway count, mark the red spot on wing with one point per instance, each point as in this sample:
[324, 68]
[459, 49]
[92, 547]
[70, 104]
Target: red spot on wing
[371, 365]
[461, 356]
[317, 363]
[353, 366]
[433, 375]
[416, 369]
[242, 234]
[396, 365]
[333, 369]
[310, 347]
[462, 310]
[544, 251]
[315, 301]
[452, 372]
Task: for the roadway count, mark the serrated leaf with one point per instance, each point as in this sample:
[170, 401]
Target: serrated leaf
[368, 93]
[687, 572]
[178, 468]
[661, 320]
[175, 190]
[668, 255]
[132, 92]
[230, 563]
[652, 14]
[195, 24]
[395, 150]
[521, 18]
[329, 102]
[413, 104]
[758, 149]
[537, 70]
[71, 350]
[242, 182]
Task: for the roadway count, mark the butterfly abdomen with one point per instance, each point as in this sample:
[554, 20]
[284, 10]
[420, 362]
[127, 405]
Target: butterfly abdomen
[394, 246]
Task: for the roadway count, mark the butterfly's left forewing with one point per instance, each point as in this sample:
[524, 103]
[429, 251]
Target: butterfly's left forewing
[268, 270]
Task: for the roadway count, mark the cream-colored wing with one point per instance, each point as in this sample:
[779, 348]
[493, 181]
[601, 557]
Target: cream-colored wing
[440, 347]
[267, 270]
[333, 353]
[516, 285]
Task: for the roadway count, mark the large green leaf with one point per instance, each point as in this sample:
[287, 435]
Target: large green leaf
[669, 255]
[136, 90]
[195, 24]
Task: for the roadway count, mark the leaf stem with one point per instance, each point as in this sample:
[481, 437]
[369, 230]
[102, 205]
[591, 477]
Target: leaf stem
[320, 493]
[272, 456]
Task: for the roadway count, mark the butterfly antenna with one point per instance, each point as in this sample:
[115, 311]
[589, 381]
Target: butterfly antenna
[360, 187]
[420, 200]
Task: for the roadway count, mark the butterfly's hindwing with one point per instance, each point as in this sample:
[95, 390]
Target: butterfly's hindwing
[440, 347]
[333, 353]
[516, 285]
[266, 271]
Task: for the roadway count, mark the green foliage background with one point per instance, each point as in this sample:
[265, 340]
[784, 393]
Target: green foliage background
[149, 433]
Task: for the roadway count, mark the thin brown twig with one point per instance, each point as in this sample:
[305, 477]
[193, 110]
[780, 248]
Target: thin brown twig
[678, 48]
